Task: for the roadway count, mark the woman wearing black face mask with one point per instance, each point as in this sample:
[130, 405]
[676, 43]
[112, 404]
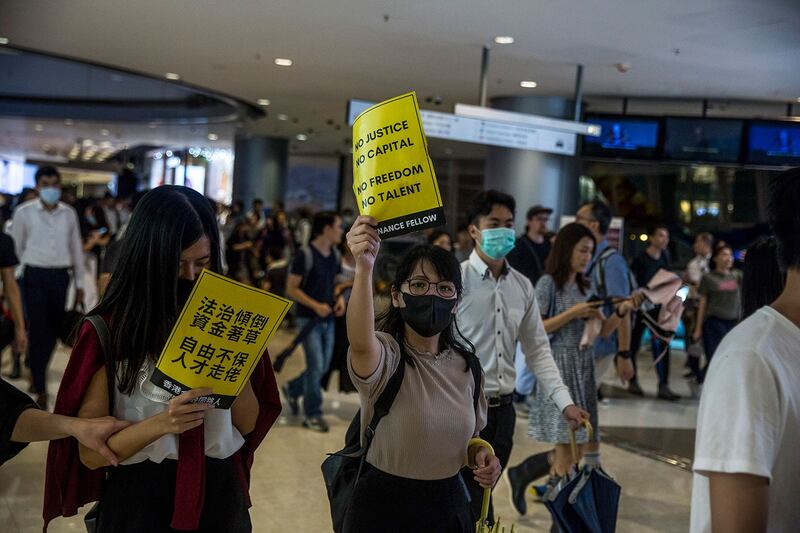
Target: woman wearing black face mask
[182, 462]
[410, 481]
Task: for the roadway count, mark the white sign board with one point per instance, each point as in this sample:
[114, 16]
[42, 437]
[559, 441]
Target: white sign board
[490, 132]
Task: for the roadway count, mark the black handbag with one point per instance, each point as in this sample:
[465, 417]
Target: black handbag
[70, 324]
[342, 469]
[105, 344]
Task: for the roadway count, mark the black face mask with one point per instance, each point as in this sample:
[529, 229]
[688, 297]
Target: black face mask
[185, 287]
[427, 315]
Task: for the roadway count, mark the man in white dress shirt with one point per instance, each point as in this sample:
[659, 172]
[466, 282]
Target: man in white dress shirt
[48, 242]
[497, 310]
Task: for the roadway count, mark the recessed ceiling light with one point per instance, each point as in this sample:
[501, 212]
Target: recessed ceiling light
[172, 76]
[528, 84]
[3, 40]
[283, 62]
[68, 122]
[104, 132]
[38, 127]
[302, 137]
[263, 101]
[283, 116]
[504, 39]
[213, 137]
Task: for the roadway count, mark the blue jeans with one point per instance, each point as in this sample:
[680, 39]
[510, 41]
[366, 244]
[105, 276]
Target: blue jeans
[318, 346]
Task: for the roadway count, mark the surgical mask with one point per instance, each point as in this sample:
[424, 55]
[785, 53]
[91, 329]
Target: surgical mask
[497, 242]
[185, 287]
[50, 195]
[91, 220]
[428, 315]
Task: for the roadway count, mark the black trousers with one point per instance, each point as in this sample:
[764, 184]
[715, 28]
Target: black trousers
[657, 346]
[140, 497]
[45, 294]
[385, 503]
[499, 432]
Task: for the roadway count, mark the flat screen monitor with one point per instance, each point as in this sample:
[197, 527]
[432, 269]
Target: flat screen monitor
[703, 139]
[623, 136]
[774, 143]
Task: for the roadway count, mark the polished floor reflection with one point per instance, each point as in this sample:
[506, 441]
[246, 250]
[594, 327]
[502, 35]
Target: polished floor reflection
[288, 493]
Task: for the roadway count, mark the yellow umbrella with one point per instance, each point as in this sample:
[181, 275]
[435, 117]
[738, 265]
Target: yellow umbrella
[483, 526]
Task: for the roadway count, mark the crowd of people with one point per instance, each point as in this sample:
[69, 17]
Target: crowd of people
[473, 331]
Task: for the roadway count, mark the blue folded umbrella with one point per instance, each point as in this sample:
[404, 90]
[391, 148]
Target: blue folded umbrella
[585, 502]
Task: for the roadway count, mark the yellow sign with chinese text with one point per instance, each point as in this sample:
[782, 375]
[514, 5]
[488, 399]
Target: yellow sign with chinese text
[393, 177]
[220, 335]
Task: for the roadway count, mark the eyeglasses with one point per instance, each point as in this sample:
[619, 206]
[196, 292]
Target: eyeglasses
[421, 286]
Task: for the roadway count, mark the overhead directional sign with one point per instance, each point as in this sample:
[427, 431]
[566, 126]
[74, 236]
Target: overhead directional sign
[556, 140]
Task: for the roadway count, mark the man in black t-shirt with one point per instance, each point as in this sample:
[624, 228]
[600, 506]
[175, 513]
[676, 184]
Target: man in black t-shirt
[15, 329]
[529, 257]
[311, 283]
[532, 248]
[644, 267]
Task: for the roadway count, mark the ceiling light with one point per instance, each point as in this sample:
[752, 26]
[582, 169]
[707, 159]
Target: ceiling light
[169, 153]
[528, 84]
[263, 101]
[504, 39]
[68, 122]
[283, 116]
[798, 99]
[104, 132]
[213, 137]
[38, 127]
[283, 62]
[3, 40]
[302, 137]
[172, 76]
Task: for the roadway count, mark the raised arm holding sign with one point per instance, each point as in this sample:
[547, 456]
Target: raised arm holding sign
[393, 177]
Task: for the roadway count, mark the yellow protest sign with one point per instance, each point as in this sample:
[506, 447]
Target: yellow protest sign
[220, 335]
[393, 177]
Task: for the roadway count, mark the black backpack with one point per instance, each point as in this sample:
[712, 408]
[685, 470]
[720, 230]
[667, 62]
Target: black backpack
[341, 470]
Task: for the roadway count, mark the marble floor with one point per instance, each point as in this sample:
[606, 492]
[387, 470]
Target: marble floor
[288, 493]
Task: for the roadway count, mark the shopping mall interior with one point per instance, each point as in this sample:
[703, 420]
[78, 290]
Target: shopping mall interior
[672, 113]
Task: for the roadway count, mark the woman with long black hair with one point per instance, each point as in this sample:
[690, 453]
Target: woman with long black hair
[563, 294]
[182, 465]
[411, 478]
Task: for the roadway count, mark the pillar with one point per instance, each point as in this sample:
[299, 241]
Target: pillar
[534, 177]
[260, 168]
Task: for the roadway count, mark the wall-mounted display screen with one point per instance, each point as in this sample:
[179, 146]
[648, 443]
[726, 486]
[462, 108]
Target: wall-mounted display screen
[623, 136]
[699, 139]
[774, 143]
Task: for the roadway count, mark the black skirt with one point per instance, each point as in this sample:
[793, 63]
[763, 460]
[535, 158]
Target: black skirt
[140, 497]
[385, 503]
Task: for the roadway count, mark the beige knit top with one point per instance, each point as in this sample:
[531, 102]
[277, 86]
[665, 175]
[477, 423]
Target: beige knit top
[426, 432]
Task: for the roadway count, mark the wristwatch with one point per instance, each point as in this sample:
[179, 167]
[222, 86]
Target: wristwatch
[624, 354]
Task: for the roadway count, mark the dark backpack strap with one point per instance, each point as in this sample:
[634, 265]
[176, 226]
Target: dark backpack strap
[386, 399]
[105, 344]
[600, 263]
[475, 367]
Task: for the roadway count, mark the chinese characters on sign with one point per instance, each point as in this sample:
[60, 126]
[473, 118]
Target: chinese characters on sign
[220, 335]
